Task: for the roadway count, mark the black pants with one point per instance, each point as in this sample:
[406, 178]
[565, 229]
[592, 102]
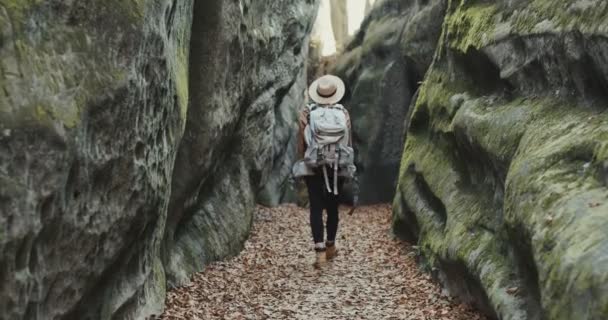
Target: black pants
[320, 199]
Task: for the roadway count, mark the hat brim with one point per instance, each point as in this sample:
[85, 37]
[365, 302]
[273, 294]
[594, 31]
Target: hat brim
[333, 99]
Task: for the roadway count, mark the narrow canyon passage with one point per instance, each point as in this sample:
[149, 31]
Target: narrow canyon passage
[375, 276]
[137, 139]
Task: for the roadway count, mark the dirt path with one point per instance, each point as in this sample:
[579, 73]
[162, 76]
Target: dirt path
[374, 277]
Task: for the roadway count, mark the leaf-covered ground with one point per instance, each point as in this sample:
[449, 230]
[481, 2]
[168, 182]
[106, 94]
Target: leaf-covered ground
[373, 277]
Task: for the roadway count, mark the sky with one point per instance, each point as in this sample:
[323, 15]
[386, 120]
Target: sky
[355, 9]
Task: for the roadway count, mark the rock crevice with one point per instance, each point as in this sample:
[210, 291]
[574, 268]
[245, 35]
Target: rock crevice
[134, 138]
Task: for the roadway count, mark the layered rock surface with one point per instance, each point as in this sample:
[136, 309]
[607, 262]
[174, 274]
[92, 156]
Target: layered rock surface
[381, 68]
[92, 108]
[503, 180]
[101, 200]
[239, 140]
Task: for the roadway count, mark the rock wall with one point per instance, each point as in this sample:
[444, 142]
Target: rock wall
[503, 179]
[92, 109]
[101, 200]
[381, 68]
[238, 135]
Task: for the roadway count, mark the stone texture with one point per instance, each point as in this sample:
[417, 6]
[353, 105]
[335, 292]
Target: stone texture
[280, 188]
[381, 68]
[239, 140]
[94, 102]
[92, 108]
[502, 182]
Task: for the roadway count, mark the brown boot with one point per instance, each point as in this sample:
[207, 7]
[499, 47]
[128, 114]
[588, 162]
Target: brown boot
[320, 259]
[331, 251]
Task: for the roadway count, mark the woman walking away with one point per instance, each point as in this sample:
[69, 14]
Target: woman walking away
[325, 146]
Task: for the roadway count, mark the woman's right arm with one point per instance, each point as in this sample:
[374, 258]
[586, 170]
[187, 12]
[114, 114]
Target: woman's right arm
[302, 123]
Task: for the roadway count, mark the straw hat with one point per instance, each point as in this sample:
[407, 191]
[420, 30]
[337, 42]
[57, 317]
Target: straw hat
[327, 90]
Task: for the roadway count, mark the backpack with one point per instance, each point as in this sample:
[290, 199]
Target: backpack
[327, 136]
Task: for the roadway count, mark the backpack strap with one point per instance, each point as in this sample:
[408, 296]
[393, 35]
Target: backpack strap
[336, 174]
[326, 178]
[311, 107]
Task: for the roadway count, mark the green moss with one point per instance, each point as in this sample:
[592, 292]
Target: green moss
[433, 99]
[17, 9]
[133, 10]
[136, 8]
[65, 81]
[551, 151]
[182, 82]
[158, 281]
[549, 142]
[470, 25]
[601, 152]
[19, 5]
[561, 15]
[68, 114]
[475, 24]
[547, 179]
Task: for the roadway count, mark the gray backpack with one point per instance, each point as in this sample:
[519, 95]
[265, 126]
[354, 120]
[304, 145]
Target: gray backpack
[327, 136]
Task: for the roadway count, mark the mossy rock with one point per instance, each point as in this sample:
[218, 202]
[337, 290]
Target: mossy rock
[382, 67]
[502, 181]
[90, 121]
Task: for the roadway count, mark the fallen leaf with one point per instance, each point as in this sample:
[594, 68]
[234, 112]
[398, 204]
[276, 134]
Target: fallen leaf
[373, 277]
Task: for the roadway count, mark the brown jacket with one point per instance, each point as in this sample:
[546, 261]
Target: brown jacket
[303, 122]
